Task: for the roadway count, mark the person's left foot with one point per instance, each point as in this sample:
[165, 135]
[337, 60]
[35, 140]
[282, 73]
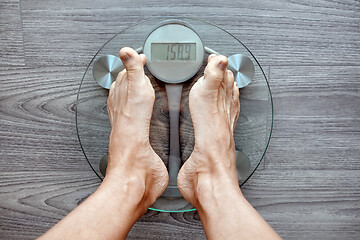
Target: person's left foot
[130, 104]
[214, 107]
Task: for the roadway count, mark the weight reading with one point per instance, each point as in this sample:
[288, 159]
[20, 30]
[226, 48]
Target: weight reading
[178, 52]
[173, 51]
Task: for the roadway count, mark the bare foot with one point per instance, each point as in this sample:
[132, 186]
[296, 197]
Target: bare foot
[214, 107]
[132, 161]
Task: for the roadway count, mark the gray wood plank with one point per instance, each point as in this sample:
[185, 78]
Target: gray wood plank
[309, 187]
[31, 202]
[321, 204]
[38, 119]
[278, 32]
[308, 204]
[11, 38]
[317, 124]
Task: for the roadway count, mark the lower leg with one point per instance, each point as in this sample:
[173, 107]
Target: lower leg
[208, 179]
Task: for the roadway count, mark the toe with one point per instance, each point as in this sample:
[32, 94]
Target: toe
[110, 101]
[235, 106]
[112, 87]
[229, 86]
[211, 56]
[143, 59]
[215, 71]
[120, 88]
[134, 64]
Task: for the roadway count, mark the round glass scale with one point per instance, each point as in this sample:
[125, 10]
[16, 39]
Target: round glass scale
[176, 50]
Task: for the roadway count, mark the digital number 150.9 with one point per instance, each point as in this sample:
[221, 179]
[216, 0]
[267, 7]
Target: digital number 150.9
[179, 52]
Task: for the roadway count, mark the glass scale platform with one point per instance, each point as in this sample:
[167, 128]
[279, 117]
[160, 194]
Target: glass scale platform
[253, 129]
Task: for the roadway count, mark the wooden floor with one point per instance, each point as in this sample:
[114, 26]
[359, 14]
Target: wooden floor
[309, 185]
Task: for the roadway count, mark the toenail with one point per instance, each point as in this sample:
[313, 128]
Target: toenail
[125, 57]
[222, 65]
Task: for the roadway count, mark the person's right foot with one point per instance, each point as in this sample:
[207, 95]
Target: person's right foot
[214, 108]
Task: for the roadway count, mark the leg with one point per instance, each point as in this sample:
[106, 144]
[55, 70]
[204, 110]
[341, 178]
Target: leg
[208, 179]
[135, 175]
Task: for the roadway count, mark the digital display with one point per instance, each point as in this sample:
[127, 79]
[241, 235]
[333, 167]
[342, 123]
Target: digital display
[173, 52]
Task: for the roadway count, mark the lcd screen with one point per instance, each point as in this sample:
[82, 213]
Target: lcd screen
[173, 52]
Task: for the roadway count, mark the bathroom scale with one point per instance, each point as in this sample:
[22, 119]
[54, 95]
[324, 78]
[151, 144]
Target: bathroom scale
[176, 49]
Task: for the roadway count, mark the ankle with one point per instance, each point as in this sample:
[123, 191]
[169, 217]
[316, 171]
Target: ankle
[122, 184]
[212, 190]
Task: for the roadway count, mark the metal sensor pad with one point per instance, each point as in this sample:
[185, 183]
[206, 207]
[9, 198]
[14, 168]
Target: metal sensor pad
[243, 69]
[106, 69]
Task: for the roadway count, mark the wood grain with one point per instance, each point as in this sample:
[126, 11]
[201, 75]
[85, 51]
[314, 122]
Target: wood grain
[35, 200]
[38, 119]
[322, 203]
[303, 204]
[309, 185]
[317, 124]
[278, 32]
[11, 38]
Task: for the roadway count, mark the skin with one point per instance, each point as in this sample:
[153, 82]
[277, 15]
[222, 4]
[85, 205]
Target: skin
[136, 176]
[208, 179]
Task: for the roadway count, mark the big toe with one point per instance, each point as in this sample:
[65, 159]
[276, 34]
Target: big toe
[235, 106]
[214, 72]
[133, 63]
